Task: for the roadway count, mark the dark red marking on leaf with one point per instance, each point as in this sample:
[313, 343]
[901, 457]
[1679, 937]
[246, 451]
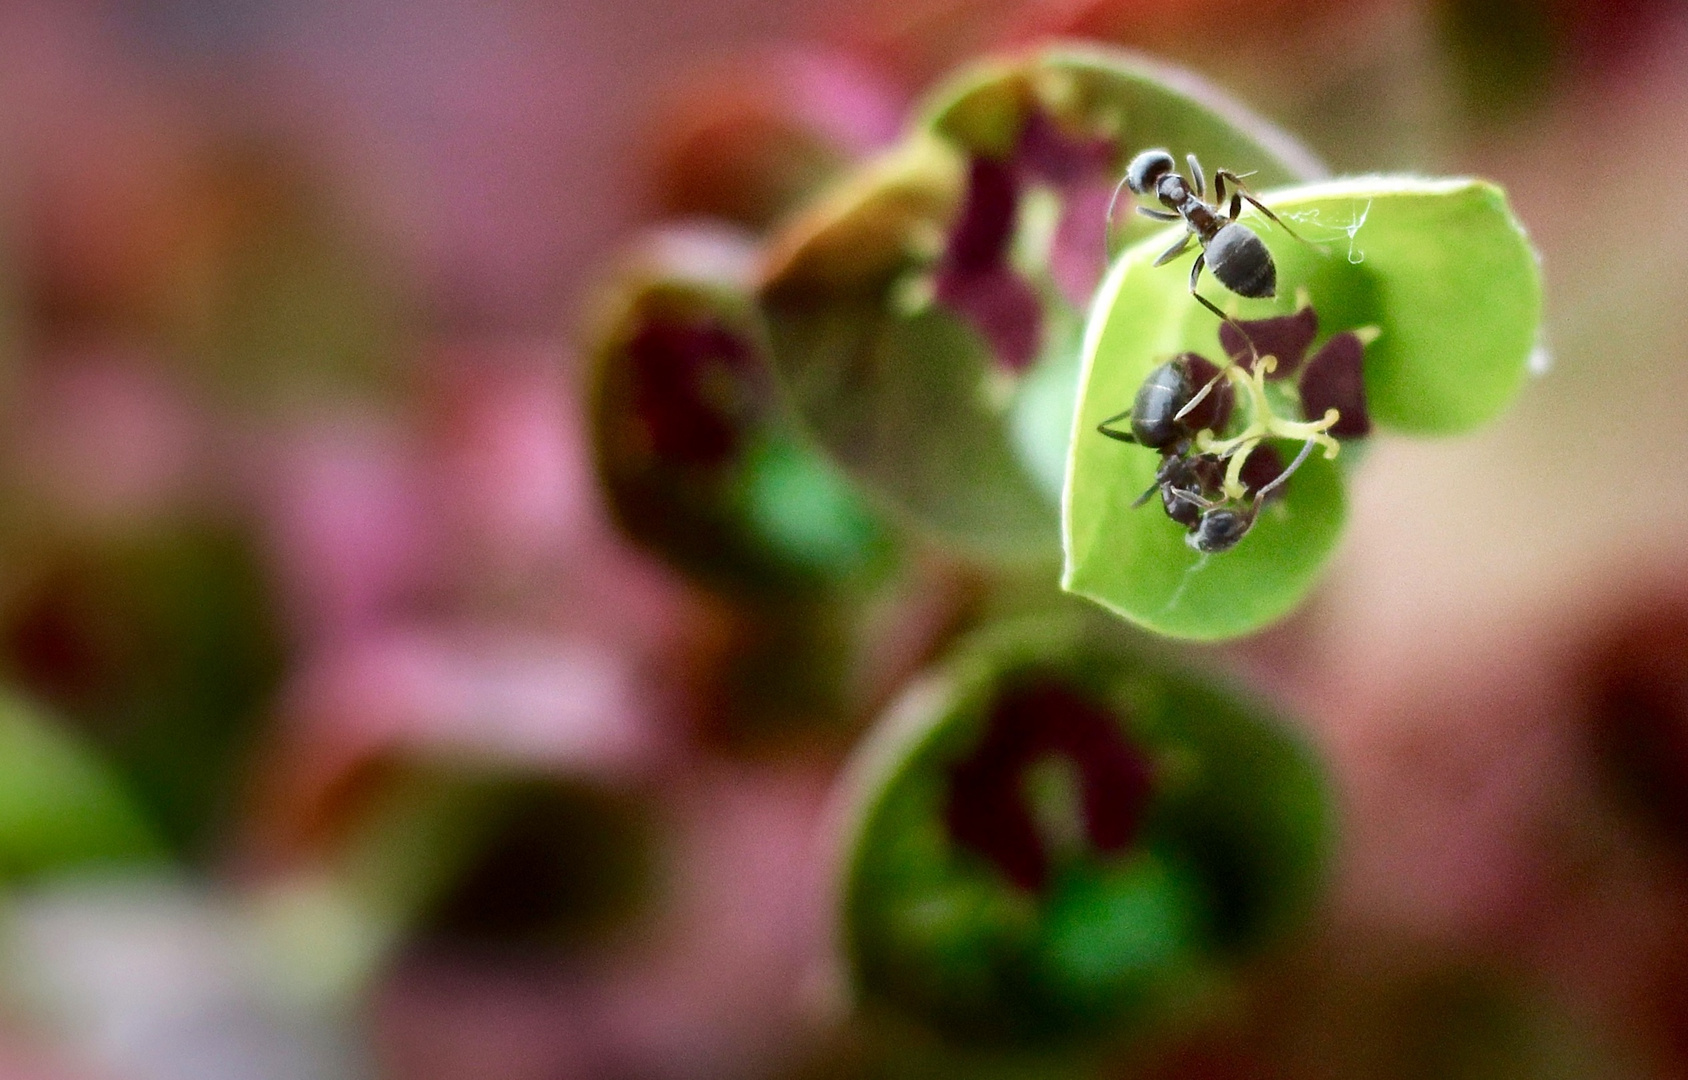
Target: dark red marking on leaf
[987, 811]
[1283, 336]
[1079, 168]
[692, 390]
[975, 278]
[1003, 308]
[53, 646]
[1335, 379]
[980, 237]
[1075, 256]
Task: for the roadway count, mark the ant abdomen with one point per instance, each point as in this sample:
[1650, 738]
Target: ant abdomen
[1241, 262]
[1154, 415]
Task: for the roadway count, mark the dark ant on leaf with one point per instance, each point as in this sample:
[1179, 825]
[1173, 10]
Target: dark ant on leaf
[1237, 257]
[1221, 525]
[1163, 415]
[1185, 482]
[1199, 479]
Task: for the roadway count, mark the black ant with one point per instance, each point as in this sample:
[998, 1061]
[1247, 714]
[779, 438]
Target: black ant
[1238, 258]
[1162, 418]
[1185, 481]
[1220, 525]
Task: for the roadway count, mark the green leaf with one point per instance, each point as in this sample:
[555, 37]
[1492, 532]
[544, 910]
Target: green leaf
[905, 394]
[1440, 268]
[1226, 855]
[696, 456]
[61, 808]
[164, 649]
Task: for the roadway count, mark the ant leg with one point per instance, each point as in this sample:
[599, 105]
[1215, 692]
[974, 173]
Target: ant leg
[1185, 495]
[1158, 215]
[1137, 503]
[1122, 436]
[1176, 250]
[1207, 387]
[1195, 276]
[1219, 187]
[1196, 175]
[1260, 206]
[1306, 448]
[1210, 305]
[1276, 220]
[1242, 189]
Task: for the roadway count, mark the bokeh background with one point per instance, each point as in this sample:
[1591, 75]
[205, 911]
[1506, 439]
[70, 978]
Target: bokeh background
[305, 576]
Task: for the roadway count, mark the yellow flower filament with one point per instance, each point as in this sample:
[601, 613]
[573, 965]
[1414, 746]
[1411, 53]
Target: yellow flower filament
[1263, 423]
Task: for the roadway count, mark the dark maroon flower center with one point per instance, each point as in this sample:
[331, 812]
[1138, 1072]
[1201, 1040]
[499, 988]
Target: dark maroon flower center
[1332, 378]
[693, 393]
[989, 810]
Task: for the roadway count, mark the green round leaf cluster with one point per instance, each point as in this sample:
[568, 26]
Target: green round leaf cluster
[767, 516]
[1443, 272]
[904, 393]
[1228, 854]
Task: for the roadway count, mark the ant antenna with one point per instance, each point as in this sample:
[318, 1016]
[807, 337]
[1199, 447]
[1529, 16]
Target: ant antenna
[1108, 222]
[1278, 480]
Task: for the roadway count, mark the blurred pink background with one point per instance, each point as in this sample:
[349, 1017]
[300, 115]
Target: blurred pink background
[315, 275]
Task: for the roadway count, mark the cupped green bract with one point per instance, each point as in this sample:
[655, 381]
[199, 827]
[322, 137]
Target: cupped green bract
[1228, 855]
[750, 506]
[906, 394]
[1440, 268]
[1134, 102]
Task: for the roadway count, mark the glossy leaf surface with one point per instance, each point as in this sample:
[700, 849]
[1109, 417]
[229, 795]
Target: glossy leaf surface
[1440, 268]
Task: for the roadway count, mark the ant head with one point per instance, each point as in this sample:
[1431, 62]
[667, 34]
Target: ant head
[1146, 169]
[1219, 530]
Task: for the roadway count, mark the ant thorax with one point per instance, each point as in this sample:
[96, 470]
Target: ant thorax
[1174, 192]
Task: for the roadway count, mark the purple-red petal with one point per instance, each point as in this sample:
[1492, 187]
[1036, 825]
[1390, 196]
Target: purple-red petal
[691, 390]
[1283, 336]
[1335, 379]
[982, 232]
[1262, 467]
[1002, 306]
[1050, 155]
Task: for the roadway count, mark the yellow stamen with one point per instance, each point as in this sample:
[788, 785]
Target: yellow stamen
[1263, 423]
